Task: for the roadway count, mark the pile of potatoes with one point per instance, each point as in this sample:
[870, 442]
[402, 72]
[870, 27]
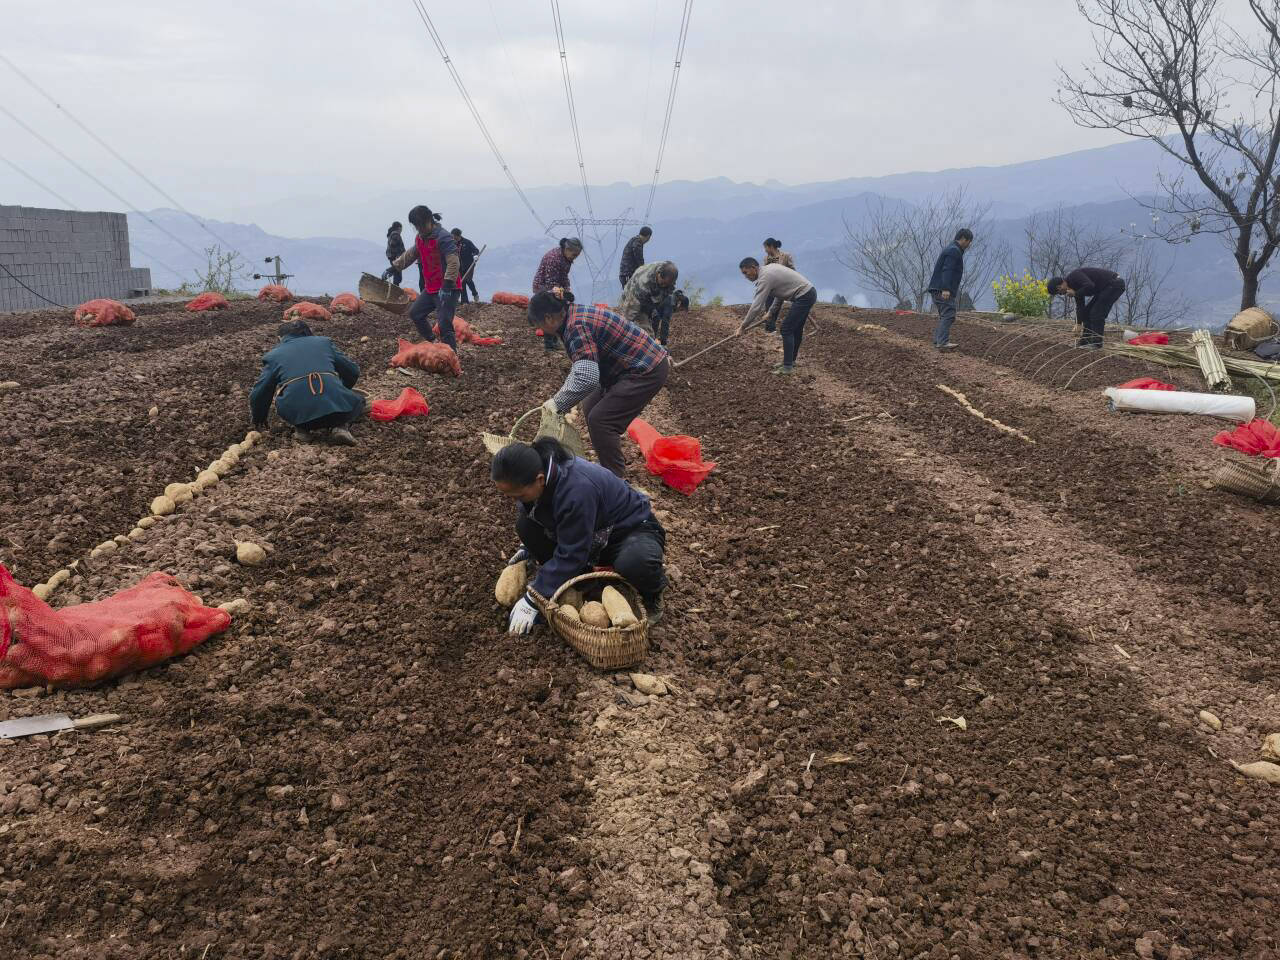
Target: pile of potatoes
[175, 494]
[611, 610]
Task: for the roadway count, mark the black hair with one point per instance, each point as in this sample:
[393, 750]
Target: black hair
[669, 269]
[1054, 283]
[456, 231]
[421, 216]
[567, 242]
[293, 328]
[546, 302]
[964, 233]
[770, 242]
[646, 231]
[520, 463]
[748, 262]
[397, 225]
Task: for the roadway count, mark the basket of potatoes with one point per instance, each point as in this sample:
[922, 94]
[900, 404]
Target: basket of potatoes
[599, 614]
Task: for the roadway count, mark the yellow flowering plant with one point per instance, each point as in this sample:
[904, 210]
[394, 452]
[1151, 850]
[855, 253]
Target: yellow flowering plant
[1025, 295]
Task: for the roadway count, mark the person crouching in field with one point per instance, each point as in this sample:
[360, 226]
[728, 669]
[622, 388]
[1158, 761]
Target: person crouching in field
[310, 381]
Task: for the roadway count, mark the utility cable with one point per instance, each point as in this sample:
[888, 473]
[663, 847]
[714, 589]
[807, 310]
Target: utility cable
[475, 113]
[105, 146]
[573, 111]
[34, 293]
[671, 102]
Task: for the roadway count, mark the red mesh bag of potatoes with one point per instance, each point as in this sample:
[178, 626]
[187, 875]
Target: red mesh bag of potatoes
[104, 313]
[307, 311]
[510, 299]
[463, 332]
[410, 403]
[208, 301]
[84, 644]
[345, 303]
[409, 292]
[275, 292]
[432, 357]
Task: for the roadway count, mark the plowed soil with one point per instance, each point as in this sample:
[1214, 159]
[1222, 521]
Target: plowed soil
[367, 765]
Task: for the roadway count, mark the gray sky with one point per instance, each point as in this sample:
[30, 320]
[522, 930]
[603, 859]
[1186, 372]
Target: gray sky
[231, 104]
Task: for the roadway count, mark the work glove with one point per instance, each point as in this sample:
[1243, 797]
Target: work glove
[520, 556]
[523, 616]
[386, 274]
[550, 407]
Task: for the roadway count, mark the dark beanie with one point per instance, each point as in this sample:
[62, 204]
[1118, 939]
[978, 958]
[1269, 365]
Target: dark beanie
[293, 328]
[1054, 283]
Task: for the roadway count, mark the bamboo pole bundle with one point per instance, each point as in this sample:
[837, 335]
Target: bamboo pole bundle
[1211, 366]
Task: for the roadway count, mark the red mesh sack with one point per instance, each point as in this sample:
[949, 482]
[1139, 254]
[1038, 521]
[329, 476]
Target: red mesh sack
[1257, 438]
[1146, 383]
[432, 357]
[81, 645]
[677, 459]
[1149, 340]
[409, 292]
[208, 301]
[463, 332]
[345, 303]
[307, 311]
[104, 313]
[275, 292]
[510, 299]
[410, 403]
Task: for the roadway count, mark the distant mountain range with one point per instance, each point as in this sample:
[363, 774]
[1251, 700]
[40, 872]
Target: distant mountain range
[704, 226]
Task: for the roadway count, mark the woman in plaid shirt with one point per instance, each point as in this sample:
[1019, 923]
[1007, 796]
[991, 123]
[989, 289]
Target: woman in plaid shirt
[553, 272]
[617, 369]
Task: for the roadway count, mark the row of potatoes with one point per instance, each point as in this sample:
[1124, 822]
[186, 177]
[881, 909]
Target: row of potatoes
[174, 495]
[611, 610]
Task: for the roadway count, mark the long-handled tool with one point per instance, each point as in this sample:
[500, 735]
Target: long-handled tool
[463, 279]
[718, 343]
[51, 723]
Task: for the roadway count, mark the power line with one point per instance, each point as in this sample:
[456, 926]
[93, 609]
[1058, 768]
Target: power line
[34, 293]
[573, 111]
[475, 113]
[132, 209]
[671, 102]
[102, 143]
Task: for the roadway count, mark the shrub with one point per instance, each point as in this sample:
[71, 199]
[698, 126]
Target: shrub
[1025, 296]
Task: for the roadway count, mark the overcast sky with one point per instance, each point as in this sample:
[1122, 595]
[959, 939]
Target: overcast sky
[233, 103]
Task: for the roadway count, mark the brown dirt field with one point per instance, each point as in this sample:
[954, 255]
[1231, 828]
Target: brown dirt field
[366, 765]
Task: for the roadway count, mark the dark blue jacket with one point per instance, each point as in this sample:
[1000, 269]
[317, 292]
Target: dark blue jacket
[948, 271]
[582, 508]
[305, 399]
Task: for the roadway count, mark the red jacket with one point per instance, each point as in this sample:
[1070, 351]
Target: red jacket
[432, 269]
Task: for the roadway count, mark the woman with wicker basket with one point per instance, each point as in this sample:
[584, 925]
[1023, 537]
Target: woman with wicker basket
[573, 514]
[553, 273]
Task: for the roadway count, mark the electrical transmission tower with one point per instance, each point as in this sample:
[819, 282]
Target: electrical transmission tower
[606, 250]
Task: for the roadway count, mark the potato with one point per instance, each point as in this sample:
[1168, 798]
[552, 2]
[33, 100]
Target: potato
[570, 613]
[594, 614]
[41, 590]
[253, 436]
[1270, 746]
[511, 584]
[619, 610]
[174, 490]
[572, 598]
[1260, 770]
[184, 495]
[208, 478]
[220, 467]
[162, 506]
[59, 578]
[147, 522]
[230, 455]
[120, 540]
[250, 554]
[273, 455]
[236, 607]
[137, 533]
[109, 547]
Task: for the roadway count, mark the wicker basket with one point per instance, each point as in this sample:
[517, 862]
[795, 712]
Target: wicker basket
[605, 648]
[1259, 481]
[383, 293]
[551, 425]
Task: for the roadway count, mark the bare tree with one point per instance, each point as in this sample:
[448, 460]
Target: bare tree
[1148, 300]
[222, 271]
[1165, 71]
[894, 253]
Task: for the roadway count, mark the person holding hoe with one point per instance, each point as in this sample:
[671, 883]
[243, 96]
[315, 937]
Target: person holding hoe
[773, 253]
[435, 251]
[1096, 291]
[467, 254]
[573, 514]
[311, 382]
[617, 369]
[649, 297]
[553, 273]
[775, 282]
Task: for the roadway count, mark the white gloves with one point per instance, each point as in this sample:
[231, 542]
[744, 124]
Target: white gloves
[550, 407]
[523, 616]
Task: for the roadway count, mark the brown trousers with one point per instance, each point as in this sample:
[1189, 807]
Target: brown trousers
[609, 412]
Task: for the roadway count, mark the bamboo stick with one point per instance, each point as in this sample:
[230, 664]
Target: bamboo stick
[1211, 366]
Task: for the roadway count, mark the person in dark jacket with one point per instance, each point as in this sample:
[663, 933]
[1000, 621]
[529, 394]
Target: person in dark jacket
[310, 381]
[1096, 291]
[467, 253]
[944, 286]
[633, 255]
[437, 257]
[395, 248]
[572, 515]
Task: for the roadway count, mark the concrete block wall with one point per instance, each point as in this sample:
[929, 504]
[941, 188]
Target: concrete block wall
[68, 256]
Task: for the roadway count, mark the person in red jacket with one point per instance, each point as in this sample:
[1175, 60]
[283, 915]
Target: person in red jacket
[435, 250]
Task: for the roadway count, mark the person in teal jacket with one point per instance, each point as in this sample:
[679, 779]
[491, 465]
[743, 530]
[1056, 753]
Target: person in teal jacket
[310, 380]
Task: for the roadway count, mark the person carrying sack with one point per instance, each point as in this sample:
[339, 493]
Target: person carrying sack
[436, 253]
[310, 380]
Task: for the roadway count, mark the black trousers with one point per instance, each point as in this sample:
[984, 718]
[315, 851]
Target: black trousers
[397, 276]
[637, 555]
[1096, 310]
[474, 292]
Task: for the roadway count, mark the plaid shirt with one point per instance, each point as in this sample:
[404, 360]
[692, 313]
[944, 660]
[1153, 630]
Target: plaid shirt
[553, 271]
[614, 345]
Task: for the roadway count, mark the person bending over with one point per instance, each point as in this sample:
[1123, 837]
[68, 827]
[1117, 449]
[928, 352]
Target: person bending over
[1096, 291]
[553, 273]
[649, 298]
[437, 255]
[773, 280]
[310, 381]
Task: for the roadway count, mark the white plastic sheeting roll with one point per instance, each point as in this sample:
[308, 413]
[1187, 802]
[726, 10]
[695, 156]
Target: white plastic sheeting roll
[1177, 401]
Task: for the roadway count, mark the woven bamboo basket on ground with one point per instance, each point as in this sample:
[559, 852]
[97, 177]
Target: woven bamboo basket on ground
[551, 425]
[383, 293]
[1259, 481]
[605, 648]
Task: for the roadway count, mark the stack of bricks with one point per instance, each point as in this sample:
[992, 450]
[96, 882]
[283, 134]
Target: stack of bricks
[68, 256]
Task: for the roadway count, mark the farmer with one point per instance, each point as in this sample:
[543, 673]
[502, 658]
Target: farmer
[467, 253]
[944, 286]
[553, 272]
[774, 281]
[1096, 291]
[572, 515]
[310, 381]
[633, 255]
[617, 369]
[435, 252]
[395, 247]
[649, 297]
[773, 253]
